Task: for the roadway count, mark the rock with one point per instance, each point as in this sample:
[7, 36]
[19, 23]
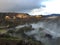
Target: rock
[49, 36]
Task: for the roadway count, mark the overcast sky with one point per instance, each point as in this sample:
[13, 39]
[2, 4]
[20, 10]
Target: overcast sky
[18, 5]
[33, 7]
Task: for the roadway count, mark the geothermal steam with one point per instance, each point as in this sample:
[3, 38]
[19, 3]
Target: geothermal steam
[51, 27]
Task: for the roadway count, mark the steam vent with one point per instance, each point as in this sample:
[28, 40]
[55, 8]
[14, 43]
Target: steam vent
[25, 29]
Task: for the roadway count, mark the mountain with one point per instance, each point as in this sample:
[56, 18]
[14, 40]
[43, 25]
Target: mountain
[53, 15]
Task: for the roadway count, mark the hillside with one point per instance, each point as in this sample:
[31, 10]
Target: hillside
[24, 29]
[17, 18]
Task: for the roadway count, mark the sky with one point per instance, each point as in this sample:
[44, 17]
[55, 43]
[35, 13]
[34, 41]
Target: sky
[32, 7]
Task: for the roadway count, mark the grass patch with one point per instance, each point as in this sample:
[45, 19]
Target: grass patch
[3, 31]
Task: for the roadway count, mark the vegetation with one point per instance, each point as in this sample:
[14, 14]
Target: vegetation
[7, 39]
[25, 29]
[7, 36]
[19, 42]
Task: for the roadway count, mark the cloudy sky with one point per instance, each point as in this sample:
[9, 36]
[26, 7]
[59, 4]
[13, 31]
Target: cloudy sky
[33, 7]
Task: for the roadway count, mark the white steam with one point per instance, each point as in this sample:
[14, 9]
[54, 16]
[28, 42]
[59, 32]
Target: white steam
[51, 6]
[51, 27]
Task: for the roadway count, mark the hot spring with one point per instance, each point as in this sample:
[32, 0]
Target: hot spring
[51, 27]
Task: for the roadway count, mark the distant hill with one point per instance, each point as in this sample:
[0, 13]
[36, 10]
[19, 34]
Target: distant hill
[53, 15]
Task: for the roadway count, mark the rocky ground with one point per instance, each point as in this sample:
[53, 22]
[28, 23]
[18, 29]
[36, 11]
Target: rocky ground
[14, 36]
[12, 33]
